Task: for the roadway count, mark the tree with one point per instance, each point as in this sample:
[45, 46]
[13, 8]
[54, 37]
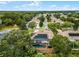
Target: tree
[32, 25]
[28, 16]
[67, 24]
[17, 44]
[8, 21]
[41, 18]
[48, 18]
[63, 18]
[61, 45]
[21, 23]
[16, 17]
[76, 24]
[54, 27]
[41, 24]
[0, 22]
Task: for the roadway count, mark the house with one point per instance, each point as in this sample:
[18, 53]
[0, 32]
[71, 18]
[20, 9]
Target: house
[41, 40]
[55, 20]
[71, 34]
[41, 37]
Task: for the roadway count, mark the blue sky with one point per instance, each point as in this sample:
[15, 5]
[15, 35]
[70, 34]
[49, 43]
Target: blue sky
[38, 5]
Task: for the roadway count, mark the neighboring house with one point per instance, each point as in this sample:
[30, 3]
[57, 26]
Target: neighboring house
[71, 34]
[55, 20]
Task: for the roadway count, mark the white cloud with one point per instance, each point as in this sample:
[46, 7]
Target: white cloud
[67, 7]
[53, 5]
[34, 3]
[3, 2]
[29, 5]
[64, 7]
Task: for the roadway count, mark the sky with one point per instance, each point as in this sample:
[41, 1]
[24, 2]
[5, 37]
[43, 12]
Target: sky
[38, 5]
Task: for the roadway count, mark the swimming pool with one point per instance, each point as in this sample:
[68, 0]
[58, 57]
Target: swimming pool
[39, 46]
[41, 37]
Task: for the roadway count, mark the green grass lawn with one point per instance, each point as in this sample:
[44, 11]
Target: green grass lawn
[8, 28]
